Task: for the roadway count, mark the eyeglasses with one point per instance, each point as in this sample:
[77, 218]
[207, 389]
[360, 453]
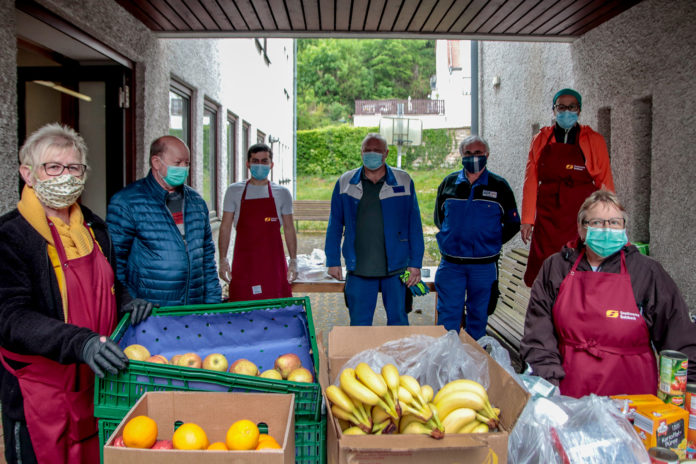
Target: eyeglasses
[56, 169]
[574, 108]
[613, 223]
[474, 153]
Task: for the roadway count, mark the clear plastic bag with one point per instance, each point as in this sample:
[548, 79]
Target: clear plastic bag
[562, 430]
[311, 267]
[433, 361]
[501, 356]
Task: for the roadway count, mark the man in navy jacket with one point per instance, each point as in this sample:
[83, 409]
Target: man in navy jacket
[375, 210]
[161, 233]
[476, 213]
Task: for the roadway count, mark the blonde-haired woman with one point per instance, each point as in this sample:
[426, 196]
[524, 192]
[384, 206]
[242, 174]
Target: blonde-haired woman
[57, 306]
[599, 309]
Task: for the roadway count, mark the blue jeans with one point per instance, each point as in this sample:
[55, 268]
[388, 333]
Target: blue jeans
[457, 284]
[361, 296]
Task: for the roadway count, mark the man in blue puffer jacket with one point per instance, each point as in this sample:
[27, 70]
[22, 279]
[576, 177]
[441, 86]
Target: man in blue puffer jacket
[161, 233]
[374, 209]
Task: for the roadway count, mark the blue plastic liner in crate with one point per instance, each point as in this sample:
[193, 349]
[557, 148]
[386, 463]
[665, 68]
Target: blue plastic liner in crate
[259, 331]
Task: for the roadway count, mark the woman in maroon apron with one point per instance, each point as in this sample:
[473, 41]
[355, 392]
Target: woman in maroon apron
[600, 308]
[57, 305]
[566, 164]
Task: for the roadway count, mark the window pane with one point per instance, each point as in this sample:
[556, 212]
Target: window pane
[179, 106]
[209, 157]
[231, 129]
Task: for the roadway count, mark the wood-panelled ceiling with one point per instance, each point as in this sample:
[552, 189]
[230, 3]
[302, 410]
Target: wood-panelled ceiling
[545, 20]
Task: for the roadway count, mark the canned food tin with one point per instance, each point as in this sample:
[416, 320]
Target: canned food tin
[673, 365]
[677, 400]
[663, 456]
[690, 406]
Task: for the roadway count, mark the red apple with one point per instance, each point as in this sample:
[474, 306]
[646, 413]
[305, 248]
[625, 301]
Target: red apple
[118, 442]
[215, 362]
[162, 444]
[158, 359]
[301, 375]
[287, 363]
[190, 360]
[244, 367]
[136, 352]
[271, 374]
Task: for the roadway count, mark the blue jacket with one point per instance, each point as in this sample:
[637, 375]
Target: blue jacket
[403, 232]
[475, 220]
[152, 259]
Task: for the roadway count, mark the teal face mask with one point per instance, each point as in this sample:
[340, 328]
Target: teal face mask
[605, 242]
[372, 160]
[260, 171]
[176, 175]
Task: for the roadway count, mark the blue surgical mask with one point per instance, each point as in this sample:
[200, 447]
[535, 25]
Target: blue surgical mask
[474, 164]
[372, 160]
[176, 175]
[566, 119]
[605, 242]
[260, 171]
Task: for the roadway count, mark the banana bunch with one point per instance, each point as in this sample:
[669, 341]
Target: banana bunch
[464, 407]
[419, 413]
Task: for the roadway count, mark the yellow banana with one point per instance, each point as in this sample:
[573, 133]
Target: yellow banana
[407, 419]
[458, 399]
[405, 396]
[481, 428]
[339, 398]
[354, 431]
[469, 427]
[379, 415]
[413, 387]
[461, 385]
[353, 419]
[356, 390]
[427, 393]
[422, 429]
[436, 417]
[371, 380]
[457, 419]
[390, 374]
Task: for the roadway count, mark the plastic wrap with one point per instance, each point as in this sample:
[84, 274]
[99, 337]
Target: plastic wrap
[312, 267]
[566, 430]
[433, 361]
[501, 356]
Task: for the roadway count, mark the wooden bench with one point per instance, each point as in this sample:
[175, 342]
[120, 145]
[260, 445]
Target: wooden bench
[507, 323]
[311, 210]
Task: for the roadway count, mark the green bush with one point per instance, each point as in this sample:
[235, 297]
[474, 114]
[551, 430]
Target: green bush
[336, 149]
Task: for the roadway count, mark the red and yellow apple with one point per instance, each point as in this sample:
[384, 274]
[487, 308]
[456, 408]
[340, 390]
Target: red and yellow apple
[215, 362]
[190, 360]
[136, 352]
[301, 375]
[157, 358]
[244, 367]
[118, 442]
[175, 359]
[271, 374]
[286, 363]
[163, 444]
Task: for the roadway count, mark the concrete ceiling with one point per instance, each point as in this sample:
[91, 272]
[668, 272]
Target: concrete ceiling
[543, 20]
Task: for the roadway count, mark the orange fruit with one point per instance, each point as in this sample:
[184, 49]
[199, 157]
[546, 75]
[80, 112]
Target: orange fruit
[268, 444]
[140, 432]
[242, 435]
[218, 446]
[190, 436]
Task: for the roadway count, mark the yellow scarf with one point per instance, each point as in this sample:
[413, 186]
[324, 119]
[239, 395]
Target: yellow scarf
[75, 237]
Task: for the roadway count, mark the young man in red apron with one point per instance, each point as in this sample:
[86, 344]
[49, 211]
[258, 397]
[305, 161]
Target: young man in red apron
[567, 162]
[259, 270]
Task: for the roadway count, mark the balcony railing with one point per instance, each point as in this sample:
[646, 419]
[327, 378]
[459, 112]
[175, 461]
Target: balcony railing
[365, 107]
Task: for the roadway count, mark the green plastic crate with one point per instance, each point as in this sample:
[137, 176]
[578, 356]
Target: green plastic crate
[310, 439]
[115, 395]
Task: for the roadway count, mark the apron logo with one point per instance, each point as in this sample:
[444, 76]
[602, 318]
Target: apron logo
[271, 219]
[623, 315]
[573, 167]
[490, 193]
[256, 289]
[612, 313]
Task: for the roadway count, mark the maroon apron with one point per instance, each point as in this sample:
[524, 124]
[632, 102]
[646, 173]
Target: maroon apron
[59, 398]
[259, 270]
[564, 184]
[603, 338]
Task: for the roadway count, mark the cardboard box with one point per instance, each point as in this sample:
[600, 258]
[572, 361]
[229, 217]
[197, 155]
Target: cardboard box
[662, 425]
[214, 412]
[504, 392]
[627, 404]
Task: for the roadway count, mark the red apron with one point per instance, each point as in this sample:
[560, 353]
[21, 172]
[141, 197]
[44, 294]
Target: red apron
[59, 398]
[259, 270]
[564, 184]
[603, 338]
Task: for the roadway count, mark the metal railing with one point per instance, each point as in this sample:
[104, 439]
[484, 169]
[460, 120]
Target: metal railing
[365, 107]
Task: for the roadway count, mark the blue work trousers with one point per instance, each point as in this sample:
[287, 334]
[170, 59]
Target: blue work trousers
[361, 296]
[459, 284]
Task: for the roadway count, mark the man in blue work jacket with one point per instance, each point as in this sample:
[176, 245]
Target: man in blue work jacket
[375, 209]
[476, 213]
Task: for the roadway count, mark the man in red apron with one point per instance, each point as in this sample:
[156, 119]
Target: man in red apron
[598, 309]
[567, 162]
[258, 207]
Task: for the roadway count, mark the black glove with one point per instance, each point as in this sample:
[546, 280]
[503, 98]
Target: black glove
[140, 310]
[101, 354]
